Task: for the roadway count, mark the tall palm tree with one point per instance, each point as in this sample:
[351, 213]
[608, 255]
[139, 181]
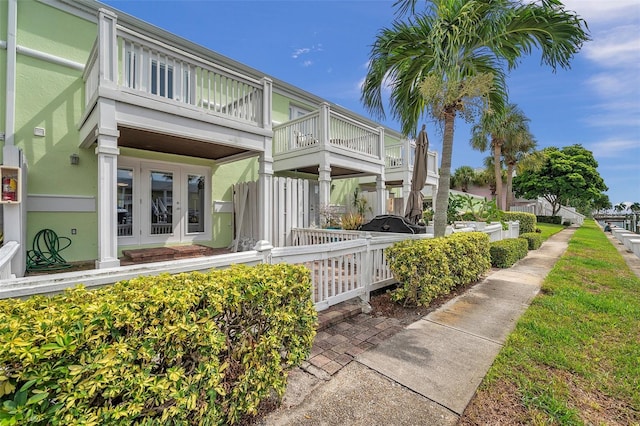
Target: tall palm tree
[450, 61]
[495, 129]
[520, 147]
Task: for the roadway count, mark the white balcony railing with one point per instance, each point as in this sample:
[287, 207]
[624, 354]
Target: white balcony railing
[401, 157]
[328, 128]
[139, 64]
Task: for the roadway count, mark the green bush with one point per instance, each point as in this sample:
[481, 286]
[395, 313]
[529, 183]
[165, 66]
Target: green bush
[173, 349]
[556, 220]
[527, 220]
[534, 240]
[426, 269]
[506, 252]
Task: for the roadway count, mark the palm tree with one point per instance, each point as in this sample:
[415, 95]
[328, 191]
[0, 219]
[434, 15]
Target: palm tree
[635, 207]
[462, 177]
[519, 147]
[496, 129]
[450, 61]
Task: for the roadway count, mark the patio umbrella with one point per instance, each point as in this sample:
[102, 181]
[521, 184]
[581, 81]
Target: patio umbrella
[413, 213]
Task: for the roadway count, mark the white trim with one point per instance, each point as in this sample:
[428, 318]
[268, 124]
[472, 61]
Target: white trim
[61, 203]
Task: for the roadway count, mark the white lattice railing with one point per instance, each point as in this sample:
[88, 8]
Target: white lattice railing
[402, 156]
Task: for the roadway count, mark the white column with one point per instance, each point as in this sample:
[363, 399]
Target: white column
[381, 192]
[324, 181]
[107, 152]
[267, 91]
[382, 154]
[265, 192]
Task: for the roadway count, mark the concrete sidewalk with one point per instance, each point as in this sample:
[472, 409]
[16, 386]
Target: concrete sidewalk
[428, 372]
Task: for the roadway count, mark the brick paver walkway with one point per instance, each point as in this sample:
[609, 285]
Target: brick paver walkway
[343, 333]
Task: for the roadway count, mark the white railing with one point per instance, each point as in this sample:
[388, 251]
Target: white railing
[351, 264]
[342, 131]
[402, 156]
[151, 68]
[7, 252]
[303, 132]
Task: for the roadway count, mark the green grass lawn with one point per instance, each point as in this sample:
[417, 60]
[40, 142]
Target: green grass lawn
[574, 357]
[548, 229]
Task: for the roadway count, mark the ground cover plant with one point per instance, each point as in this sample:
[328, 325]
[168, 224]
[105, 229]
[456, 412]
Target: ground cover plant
[573, 357]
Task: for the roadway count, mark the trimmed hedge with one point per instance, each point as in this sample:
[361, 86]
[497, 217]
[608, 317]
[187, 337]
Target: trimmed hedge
[426, 269]
[534, 240]
[192, 348]
[506, 252]
[556, 220]
[527, 220]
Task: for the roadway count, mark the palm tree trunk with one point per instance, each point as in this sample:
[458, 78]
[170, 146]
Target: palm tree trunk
[497, 153]
[442, 197]
[510, 168]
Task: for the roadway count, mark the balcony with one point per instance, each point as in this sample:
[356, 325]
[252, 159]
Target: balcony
[328, 138]
[170, 91]
[399, 162]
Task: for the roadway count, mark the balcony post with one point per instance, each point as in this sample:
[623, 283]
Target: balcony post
[265, 192]
[107, 152]
[381, 143]
[267, 99]
[324, 181]
[324, 124]
[381, 199]
[107, 48]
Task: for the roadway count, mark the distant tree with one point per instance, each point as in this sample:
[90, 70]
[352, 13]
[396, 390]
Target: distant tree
[518, 148]
[620, 207]
[635, 207]
[462, 177]
[496, 128]
[602, 203]
[567, 176]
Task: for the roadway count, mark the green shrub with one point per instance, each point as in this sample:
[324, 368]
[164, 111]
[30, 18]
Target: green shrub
[173, 349]
[426, 269]
[534, 240]
[527, 220]
[556, 220]
[506, 252]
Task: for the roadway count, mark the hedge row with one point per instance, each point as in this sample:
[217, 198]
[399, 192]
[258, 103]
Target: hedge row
[426, 269]
[527, 220]
[557, 220]
[505, 253]
[192, 348]
[534, 240]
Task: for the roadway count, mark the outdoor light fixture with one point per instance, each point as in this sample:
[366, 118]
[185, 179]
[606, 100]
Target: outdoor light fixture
[74, 159]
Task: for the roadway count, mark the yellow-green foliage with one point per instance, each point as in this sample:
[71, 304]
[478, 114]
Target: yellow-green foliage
[534, 240]
[528, 221]
[506, 252]
[173, 349]
[429, 268]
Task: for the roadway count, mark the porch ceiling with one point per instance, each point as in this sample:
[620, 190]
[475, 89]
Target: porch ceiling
[335, 171]
[169, 144]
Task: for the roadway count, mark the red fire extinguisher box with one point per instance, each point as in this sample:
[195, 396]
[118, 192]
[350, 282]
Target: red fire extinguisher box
[10, 181]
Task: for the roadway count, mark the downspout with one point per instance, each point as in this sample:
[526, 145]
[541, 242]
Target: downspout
[14, 215]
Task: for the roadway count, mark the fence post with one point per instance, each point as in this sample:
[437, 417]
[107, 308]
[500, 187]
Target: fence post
[366, 276]
[264, 248]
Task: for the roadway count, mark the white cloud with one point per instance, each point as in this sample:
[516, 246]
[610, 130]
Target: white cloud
[307, 63]
[297, 52]
[613, 148]
[604, 10]
[616, 46]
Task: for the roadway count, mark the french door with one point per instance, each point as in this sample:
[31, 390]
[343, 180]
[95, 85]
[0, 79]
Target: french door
[162, 202]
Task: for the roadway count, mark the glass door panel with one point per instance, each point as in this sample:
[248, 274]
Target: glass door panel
[195, 203]
[125, 202]
[161, 197]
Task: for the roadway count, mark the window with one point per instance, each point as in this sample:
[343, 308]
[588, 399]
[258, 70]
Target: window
[296, 111]
[165, 76]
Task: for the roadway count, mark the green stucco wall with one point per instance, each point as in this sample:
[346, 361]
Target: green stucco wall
[3, 66]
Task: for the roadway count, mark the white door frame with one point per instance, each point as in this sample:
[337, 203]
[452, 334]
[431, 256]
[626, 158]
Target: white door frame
[142, 208]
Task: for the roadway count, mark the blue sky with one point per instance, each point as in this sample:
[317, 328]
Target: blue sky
[323, 47]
